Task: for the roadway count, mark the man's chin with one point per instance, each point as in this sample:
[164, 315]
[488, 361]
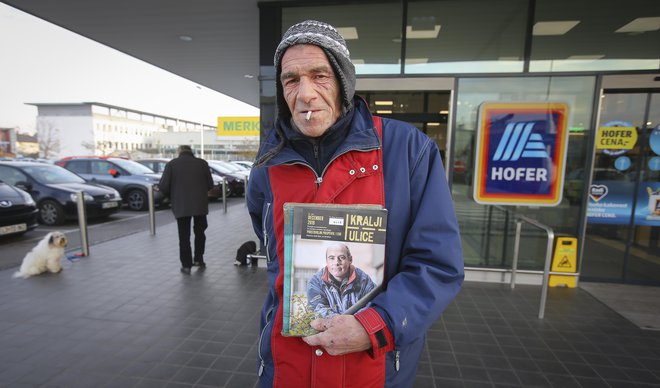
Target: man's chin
[310, 129]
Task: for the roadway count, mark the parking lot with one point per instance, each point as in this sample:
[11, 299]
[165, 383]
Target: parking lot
[125, 222]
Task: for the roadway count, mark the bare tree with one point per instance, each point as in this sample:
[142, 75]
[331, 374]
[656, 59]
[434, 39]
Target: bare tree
[49, 139]
[102, 146]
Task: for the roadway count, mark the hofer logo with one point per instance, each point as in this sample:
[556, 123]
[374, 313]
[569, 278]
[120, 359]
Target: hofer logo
[520, 153]
[519, 141]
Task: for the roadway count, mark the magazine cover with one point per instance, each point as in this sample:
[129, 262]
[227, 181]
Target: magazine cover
[333, 261]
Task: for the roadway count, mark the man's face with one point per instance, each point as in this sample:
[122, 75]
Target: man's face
[338, 261]
[310, 85]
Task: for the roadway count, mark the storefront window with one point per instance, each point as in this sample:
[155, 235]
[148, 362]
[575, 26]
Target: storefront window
[485, 228]
[477, 36]
[601, 36]
[372, 32]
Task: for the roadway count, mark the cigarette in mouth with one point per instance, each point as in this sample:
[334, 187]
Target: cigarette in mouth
[309, 115]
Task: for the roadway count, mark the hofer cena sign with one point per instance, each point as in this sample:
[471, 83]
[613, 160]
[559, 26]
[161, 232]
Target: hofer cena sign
[521, 152]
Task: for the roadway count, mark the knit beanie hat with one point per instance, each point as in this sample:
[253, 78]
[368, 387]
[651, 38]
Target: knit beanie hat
[327, 38]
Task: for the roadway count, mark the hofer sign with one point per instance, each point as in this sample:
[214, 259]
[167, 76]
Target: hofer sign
[521, 153]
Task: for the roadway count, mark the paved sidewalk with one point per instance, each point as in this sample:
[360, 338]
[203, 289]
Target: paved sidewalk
[126, 317]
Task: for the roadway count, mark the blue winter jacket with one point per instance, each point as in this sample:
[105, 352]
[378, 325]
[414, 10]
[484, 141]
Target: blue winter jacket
[423, 254]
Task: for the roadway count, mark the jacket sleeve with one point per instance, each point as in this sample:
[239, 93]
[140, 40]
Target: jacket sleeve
[255, 201]
[424, 255]
[209, 178]
[165, 180]
[317, 298]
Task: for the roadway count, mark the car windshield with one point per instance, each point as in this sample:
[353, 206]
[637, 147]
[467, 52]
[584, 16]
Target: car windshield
[230, 167]
[219, 167]
[52, 174]
[132, 167]
[239, 166]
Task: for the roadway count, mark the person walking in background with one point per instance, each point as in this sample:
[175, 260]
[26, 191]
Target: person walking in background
[326, 147]
[186, 180]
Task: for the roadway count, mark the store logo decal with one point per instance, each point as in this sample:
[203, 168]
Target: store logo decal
[597, 192]
[519, 141]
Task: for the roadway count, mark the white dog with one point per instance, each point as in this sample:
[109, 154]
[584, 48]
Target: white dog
[46, 256]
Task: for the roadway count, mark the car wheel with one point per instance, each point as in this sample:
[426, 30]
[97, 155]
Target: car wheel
[51, 213]
[137, 200]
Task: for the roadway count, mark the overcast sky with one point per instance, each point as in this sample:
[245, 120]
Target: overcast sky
[40, 62]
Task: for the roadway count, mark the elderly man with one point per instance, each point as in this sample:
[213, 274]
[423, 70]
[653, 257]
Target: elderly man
[339, 285]
[326, 147]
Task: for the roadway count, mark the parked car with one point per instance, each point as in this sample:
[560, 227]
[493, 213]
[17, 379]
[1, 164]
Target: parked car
[18, 211]
[130, 178]
[244, 163]
[55, 190]
[157, 165]
[234, 169]
[235, 182]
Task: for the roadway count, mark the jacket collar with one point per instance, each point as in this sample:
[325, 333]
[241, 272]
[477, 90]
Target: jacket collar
[361, 136]
[331, 281]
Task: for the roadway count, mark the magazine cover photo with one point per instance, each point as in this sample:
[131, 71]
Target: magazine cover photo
[335, 262]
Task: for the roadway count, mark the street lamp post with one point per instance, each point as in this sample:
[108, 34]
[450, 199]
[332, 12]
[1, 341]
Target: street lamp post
[202, 140]
[201, 131]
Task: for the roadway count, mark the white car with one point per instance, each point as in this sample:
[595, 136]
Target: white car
[244, 163]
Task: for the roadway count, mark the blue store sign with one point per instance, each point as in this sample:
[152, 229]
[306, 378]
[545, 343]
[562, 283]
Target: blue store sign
[521, 153]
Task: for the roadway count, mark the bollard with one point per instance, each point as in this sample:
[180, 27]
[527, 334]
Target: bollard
[82, 222]
[152, 212]
[224, 193]
[245, 189]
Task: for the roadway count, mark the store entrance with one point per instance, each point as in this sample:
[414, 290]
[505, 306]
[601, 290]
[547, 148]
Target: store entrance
[621, 243]
[427, 110]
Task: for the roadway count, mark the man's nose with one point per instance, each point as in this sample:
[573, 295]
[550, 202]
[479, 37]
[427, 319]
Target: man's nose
[306, 91]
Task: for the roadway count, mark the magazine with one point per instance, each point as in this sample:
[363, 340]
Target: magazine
[334, 258]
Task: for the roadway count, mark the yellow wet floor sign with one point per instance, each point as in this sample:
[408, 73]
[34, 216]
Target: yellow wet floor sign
[564, 260]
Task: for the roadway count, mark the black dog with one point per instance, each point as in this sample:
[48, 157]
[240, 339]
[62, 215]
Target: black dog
[247, 248]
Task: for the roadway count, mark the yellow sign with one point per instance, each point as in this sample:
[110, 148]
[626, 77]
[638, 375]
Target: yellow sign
[616, 138]
[238, 126]
[564, 260]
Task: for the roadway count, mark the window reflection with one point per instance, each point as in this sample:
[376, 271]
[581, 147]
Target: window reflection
[600, 36]
[482, 36]
[372, 32]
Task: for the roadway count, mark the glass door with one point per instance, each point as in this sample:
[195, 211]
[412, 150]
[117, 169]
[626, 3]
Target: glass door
[623, 204]
[427, 110]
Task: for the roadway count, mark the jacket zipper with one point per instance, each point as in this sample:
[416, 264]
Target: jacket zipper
[316, 152]
[262, 364]
[319, 179]
[396, 360]
[265, 232]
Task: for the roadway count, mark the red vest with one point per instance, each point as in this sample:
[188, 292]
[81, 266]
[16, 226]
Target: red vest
[352, 178]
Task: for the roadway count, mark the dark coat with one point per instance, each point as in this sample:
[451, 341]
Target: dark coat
[187, 180]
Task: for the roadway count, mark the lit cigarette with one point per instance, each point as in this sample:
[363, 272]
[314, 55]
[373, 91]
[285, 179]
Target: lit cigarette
[309, 115]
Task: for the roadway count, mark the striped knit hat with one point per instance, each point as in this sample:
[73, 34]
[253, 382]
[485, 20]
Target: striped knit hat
[326, 37]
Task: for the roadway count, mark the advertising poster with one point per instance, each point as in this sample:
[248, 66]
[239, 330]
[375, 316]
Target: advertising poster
[521, 153]
[612, 203]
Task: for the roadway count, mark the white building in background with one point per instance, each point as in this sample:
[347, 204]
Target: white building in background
[92, 128]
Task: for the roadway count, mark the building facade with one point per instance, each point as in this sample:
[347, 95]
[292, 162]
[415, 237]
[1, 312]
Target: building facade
[435, 63]
[102, 129]
[7, 142]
